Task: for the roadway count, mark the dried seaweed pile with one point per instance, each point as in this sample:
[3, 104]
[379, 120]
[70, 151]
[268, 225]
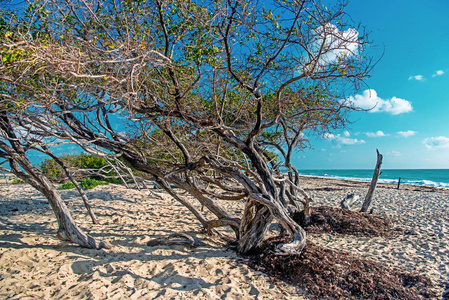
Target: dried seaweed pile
[343, 221]
[330, 274]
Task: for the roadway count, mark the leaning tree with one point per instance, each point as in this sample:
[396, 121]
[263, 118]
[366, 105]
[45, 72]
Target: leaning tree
[212, 97]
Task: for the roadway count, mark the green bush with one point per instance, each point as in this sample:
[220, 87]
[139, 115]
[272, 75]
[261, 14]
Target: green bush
[17, 181]
[86, 184]
[90, 183]
[53, 170]
[113, 180]
[81, 162]
[89, 161]
[67, 186]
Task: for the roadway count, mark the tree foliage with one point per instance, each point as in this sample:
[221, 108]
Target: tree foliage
[191, 93]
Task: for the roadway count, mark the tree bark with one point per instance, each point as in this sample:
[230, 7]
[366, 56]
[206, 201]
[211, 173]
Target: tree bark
[67, 229]
[176, 239]
[281, 214]
[265, 205]
[372, 187]
[75, 183]
[255, 222]
[18, 161]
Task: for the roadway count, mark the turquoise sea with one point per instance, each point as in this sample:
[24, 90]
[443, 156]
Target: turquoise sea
[427, 177]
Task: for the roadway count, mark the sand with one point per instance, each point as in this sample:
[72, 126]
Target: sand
[34, 264]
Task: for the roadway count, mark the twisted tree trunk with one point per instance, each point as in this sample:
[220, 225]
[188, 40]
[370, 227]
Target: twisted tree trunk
[254, 226]
[75, 183]
[67, 229]
[18, 161]
[263, 206]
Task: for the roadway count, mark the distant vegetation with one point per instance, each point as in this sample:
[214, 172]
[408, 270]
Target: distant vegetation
[89, 169]
[67, 186]
[86, 184]
[17, 181]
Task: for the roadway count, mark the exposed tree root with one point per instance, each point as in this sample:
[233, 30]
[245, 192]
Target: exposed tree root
[176, 239]
[74, 235]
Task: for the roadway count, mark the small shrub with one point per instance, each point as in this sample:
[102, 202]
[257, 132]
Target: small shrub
[90, 183]
[67, 186]
[81, 162]
[53, 170]
[89, 161]
[17, 181]
[86, 184]
[113, 180]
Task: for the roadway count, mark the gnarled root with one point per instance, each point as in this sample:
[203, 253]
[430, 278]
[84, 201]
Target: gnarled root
[74, 235]
[176, 239]
[234, 223]
[280, 213]
[296, 246]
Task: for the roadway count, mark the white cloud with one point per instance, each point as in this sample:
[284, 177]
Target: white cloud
[407, 133]
[343, 140]
[379, 133]
[346, 133]
[440, 142]
[348, 141]
[330, 44]
[438, 73]
[329, 136]
[370, 100]
[393, 153]
[416, 77]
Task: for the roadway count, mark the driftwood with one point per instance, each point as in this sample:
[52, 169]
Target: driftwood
[350, 199]
[176, 239]
[372, 187]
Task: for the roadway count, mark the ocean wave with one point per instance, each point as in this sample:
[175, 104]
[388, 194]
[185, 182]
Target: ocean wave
[385, 180]
[426, 183]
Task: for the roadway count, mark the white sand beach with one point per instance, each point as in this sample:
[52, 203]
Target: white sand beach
[33, 263]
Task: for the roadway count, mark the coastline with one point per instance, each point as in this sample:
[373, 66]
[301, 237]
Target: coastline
[418, 177]
[34, 264]
[310, 181]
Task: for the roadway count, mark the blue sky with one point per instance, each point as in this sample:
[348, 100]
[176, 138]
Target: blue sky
[410, 84]
[410, 123]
